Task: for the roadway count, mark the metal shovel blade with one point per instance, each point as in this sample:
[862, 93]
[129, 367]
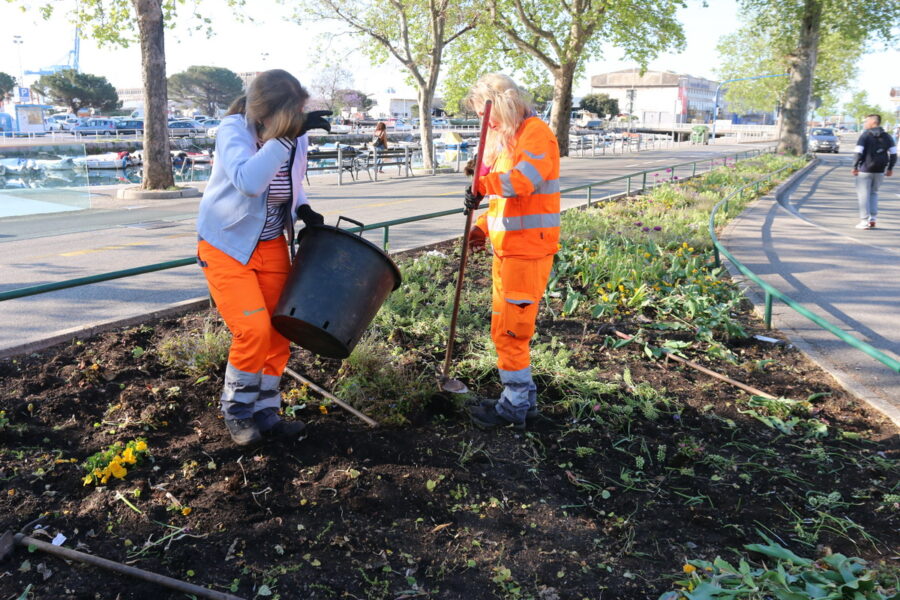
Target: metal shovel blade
[453, 386]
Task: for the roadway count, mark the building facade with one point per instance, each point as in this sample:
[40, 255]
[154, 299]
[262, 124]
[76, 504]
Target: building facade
[660, 97]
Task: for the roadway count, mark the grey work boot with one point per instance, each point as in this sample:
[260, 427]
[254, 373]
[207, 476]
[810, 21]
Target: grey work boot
[272, 426]
[487, 417]
[244, 432]
[533, 411]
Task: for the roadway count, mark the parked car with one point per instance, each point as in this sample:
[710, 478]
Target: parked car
[210, 123]
[823, 139]
[95, 127]
[594, 124]
[135, 126]
[62, 122]
[440, 123]
[185, 127]
[401, 125]
[212, 131]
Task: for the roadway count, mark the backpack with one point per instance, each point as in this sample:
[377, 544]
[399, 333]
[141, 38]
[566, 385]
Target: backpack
[878, 152]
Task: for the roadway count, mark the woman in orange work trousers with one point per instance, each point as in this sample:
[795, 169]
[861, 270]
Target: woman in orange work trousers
[254, 195]
[520, 178]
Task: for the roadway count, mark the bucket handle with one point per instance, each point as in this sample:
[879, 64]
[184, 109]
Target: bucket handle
[354, 221]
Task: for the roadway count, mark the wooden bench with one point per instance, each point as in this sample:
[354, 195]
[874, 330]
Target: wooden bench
[373, 160]
[337, 160]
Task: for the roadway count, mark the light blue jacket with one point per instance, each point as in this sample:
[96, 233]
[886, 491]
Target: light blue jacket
[233, 208]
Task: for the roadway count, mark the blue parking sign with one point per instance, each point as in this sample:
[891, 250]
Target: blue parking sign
[24, 94]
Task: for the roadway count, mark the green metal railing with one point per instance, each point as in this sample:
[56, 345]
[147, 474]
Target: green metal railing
[771, 292]
[641, 176]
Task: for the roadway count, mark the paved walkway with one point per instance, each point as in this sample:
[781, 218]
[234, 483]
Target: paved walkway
[810, 250]
[121, 234]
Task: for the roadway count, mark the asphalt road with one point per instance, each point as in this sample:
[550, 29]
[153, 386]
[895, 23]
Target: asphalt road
[811, 251]
[116, 235]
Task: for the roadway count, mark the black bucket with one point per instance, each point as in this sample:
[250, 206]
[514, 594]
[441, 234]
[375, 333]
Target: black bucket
[336, 286]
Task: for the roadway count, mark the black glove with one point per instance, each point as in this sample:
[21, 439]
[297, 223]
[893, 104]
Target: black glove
[309, 217]
[472, 201]
[316, 120]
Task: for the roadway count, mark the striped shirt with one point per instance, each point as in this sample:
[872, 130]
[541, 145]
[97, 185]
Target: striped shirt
[278, 202]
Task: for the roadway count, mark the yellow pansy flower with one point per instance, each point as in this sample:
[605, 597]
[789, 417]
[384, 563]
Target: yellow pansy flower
[688, 568]
[117, 470]
[141, 446]
[128, 456]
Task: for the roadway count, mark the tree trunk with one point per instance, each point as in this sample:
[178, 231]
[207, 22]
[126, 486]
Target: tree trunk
[157, 160]
[426, 99]
[802, 66]
[561, 114]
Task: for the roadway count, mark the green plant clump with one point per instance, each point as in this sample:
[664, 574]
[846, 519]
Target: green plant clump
[197, 352]
[784, 576]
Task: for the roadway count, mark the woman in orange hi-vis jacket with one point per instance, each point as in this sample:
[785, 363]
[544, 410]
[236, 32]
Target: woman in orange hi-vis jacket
[254, 195]
[520, 178]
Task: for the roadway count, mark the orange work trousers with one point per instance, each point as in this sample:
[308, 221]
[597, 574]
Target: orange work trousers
[246, 296]
[518, 285]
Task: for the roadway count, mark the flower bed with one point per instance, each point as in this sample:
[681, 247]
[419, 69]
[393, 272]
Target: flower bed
[644, 479]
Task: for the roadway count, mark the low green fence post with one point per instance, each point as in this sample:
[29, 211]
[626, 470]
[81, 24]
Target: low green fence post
[590, 189]
[384, 243]
[694, 170]
[768, 317]
[644, 182]
[628, 187]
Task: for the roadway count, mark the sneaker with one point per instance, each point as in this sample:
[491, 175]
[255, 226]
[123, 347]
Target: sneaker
[487, 417]
[533, 412]
[871, 224]
[864, 224]
[287, 430]
[244, 432]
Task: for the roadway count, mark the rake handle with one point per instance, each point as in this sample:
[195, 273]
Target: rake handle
[175, 584]
[464, 254]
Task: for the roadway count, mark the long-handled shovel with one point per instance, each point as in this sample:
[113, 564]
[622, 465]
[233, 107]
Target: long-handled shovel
[447, 384]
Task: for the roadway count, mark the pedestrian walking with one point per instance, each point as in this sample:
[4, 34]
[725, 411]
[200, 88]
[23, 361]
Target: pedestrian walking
[520, 179]
[254, 195]
[876, 155]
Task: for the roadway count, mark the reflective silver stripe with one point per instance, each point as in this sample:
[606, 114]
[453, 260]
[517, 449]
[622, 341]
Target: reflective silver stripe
[860, 149]
[514, 301]
[893, 150]
[528, 170]
[534, 156]
[506, 186]
[548, 187]
[523, 222]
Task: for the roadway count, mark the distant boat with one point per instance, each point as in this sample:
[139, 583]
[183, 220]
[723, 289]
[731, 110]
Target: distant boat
[110, 160]
[58, 164]
[18, 166]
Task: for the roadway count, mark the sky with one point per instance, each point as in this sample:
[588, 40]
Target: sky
[272, 41]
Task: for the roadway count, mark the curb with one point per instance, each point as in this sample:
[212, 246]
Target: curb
[757, 298]
[86, 331]
[136, 193]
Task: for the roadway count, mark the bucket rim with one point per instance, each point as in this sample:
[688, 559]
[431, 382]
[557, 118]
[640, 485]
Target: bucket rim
[398, 278]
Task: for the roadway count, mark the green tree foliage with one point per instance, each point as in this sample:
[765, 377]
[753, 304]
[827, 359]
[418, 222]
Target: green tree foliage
[859, 107]
[801, 26]
[7, 85]
[753, 50]
[207, 88]
[78, 90]
[541, 95]
[413, 32]
[529, 35]
[600, 104]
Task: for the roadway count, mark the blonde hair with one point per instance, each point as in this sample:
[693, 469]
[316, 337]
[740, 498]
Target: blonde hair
[510, 107]
[277, 97]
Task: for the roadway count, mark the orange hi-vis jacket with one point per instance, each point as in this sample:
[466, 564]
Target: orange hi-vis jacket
[523, 188]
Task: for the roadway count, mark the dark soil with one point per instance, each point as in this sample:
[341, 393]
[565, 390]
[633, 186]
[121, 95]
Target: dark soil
[586, 508]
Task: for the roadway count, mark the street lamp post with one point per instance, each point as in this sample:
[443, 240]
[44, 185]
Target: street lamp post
[712, 137]
[18, 41]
